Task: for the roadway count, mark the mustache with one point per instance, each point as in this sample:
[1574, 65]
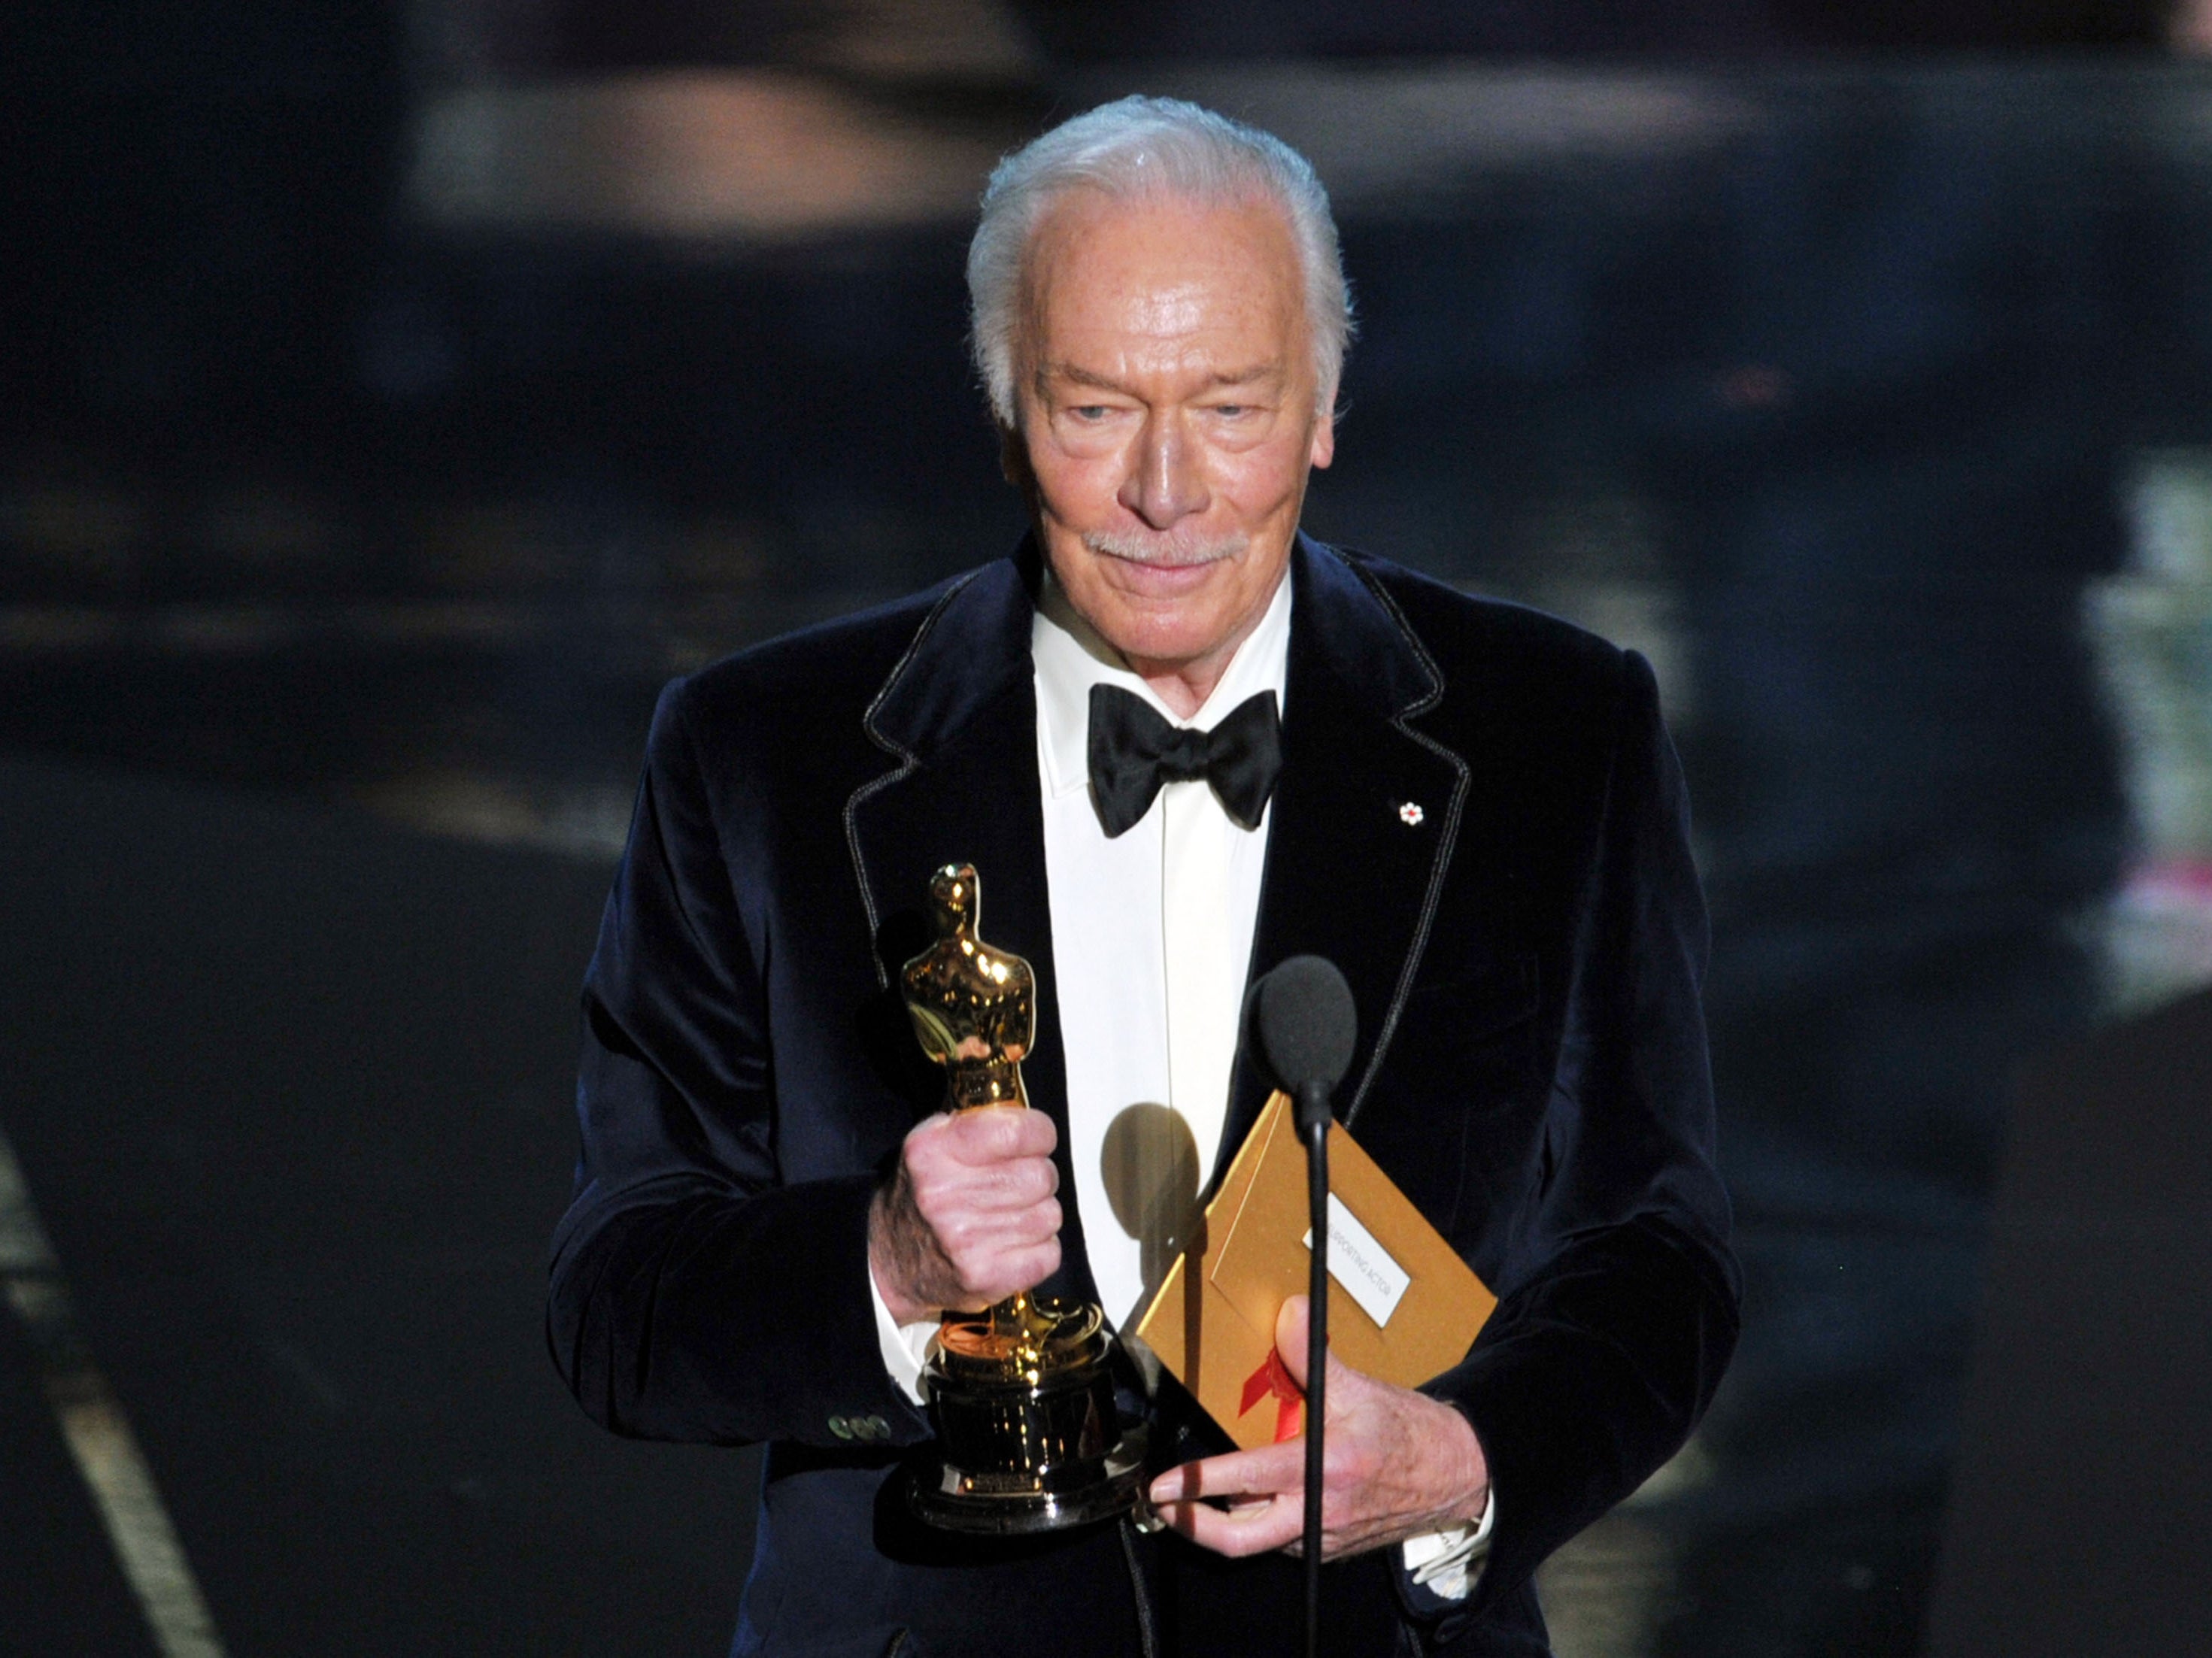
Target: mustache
[1169, 551]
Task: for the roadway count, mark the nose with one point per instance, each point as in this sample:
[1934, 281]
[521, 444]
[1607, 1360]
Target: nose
[1166, 482]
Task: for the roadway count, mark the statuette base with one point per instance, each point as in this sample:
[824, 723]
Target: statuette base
[1030, 1447]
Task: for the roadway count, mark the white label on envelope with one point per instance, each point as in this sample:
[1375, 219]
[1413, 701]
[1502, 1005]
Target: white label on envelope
[1361, 1264]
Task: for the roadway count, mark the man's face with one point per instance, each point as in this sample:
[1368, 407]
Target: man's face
[1167, 418]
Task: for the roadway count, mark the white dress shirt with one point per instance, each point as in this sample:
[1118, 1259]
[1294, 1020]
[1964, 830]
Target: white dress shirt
[1151, 938]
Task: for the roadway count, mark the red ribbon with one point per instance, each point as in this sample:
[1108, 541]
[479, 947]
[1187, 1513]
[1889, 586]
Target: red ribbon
[1271, 1378]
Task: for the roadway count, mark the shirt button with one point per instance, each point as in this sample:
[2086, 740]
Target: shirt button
[841, 1427]
[877, 1428]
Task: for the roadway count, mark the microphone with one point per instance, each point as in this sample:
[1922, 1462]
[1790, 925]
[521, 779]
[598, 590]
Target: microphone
[1302, 1028]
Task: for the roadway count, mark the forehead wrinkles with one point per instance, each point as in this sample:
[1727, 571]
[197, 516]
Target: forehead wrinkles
[1162, 274]
[1183, 329]
[1168, 311]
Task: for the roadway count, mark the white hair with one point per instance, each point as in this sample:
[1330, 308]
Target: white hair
[1133, 149]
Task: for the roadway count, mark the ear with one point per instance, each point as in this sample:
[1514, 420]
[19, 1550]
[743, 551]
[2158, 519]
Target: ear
[1323, 447]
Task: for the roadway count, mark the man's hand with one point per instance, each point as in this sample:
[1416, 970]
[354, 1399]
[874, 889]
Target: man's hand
[1397, 1464]
[969, 1218]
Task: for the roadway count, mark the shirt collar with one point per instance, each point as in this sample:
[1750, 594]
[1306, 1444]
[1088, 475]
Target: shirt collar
[1071, 658]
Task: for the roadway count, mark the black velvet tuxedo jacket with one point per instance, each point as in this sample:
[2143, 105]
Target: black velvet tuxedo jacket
[1525, 952]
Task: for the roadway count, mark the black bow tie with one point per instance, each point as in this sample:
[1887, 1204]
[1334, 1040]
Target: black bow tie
[1134, 751]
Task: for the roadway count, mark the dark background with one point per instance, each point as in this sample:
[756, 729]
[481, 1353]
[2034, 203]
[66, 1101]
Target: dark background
[393, 396]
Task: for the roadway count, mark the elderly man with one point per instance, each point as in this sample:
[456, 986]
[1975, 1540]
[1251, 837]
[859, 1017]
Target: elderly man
[1471, 809]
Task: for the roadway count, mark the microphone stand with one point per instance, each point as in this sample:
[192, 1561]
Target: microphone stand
[1313, 1120]
[1303, 1029]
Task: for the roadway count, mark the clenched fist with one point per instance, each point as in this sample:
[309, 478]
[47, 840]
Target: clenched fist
[969, 1218]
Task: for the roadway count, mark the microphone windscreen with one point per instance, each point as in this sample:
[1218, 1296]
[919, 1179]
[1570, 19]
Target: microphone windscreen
[1302, 1024]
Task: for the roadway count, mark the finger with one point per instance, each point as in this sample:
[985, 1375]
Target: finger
[993, 1249]
[1024, 1228]
[1290, 1344]
[1249, 1528]
[920, 1148]
[998, 1134]
[1047, 1218]
[1266, 1471]
[927, 1154]
[1020, 1183]
[963, 1200]
[966, 1229]
[1009, 1274]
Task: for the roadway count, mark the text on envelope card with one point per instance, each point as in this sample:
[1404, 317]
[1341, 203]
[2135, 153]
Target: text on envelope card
[1361, 1264]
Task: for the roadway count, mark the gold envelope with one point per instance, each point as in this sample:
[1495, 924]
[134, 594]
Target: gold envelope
[1212, 1322]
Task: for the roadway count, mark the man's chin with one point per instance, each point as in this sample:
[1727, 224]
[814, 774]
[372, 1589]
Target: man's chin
[1158, 610]
[1160, 632]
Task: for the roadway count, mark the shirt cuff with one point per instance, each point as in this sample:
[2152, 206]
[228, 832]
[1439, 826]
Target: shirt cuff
[1447, 1563]
[905, 1346]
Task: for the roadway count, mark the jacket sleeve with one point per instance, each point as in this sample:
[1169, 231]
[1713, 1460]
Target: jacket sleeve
[693, 1294]
[1597, 1364]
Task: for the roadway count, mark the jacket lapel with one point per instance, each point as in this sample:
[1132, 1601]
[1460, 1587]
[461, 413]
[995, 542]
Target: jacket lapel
[1364, 817]
[957, 721]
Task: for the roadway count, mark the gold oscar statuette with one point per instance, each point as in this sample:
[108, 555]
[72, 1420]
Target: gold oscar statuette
[1028, 1438]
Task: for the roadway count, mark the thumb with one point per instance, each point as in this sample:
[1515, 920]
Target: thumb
[1290, 1344]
